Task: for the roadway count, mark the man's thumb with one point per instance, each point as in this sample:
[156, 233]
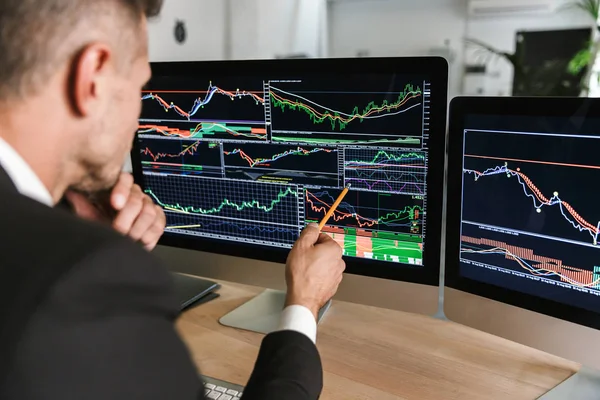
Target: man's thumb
[310, 234]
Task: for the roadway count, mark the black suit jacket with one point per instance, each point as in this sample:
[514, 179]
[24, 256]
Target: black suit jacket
[87, 314]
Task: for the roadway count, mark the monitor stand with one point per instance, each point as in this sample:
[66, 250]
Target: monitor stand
[583, 385]
[262, 313]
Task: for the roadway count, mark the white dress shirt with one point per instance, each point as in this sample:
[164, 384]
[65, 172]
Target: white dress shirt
[23, 177]
[296, 318]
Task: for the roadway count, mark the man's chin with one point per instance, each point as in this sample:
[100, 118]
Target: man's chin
[97, 182]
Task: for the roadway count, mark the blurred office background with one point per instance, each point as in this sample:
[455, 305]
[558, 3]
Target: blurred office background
[494, 47]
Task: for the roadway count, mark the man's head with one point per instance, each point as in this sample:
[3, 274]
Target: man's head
[81, 65]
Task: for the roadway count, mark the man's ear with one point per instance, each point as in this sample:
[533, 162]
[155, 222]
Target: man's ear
[88, 77]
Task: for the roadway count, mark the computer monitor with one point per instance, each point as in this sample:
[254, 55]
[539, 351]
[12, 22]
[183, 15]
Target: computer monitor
[241, 155]
[522, 216]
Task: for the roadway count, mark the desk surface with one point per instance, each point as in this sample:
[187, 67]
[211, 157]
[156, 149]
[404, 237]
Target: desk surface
[386, 355]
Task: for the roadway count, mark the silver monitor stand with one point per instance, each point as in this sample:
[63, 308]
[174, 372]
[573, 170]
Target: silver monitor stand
[262, 313]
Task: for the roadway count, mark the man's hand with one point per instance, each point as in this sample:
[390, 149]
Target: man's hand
[127, 209]
[314, 270]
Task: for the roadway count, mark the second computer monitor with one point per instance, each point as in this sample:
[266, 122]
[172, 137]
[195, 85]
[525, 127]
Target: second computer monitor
[523, 221]
[242, 155]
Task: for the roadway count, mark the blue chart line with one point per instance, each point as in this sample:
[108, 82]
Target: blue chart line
[539, 200]
[200, 102]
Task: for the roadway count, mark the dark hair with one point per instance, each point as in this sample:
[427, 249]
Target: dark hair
[36, 35]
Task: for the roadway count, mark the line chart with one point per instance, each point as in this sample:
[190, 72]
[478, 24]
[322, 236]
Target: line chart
[539, 200]
[409, 141]
[266, 162]
[339, 119]
[372, 225]
[241, 231]
[266, 207]
[201, 102]
[367, 210]
[282, 163]
[309, 112]
[215, 113]
[231, 209]
[386, 170]
[187, 150]
[201, 158]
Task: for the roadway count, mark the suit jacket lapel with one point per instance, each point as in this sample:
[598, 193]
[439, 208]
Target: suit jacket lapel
[5, 182]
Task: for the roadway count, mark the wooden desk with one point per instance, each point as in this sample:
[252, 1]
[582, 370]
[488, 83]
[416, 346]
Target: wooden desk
[370, 353]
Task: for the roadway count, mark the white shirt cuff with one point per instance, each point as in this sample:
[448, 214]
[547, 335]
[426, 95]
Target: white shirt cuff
[300, 319]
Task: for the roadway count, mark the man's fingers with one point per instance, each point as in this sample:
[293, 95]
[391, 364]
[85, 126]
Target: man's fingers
[121, 191]
[310, 234]
[342, 266]
[324, 238]
[145, 219]
[125, 218]
[152, 236]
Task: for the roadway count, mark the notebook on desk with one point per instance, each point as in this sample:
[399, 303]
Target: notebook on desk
[192, 291]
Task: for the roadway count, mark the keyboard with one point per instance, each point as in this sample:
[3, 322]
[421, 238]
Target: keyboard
[216, 389]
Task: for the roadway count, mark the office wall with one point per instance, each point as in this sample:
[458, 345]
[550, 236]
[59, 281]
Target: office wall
[239, 29]
[399, 28]
[268, 29]
[500, 33]
[205, 22]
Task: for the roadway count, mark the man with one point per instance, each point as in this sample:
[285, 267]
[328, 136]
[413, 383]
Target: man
[86, 312]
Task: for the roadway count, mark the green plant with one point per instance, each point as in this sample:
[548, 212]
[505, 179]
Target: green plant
[590, 7]
[587, 57]
[528, 81]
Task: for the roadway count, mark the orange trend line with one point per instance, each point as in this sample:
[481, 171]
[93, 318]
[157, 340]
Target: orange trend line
[535, 162]
[342, 215]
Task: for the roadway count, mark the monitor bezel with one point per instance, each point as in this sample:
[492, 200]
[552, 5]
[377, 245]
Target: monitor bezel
[435, 68]
[460, 109]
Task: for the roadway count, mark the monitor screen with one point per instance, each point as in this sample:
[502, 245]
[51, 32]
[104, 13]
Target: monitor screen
[528, 217]
[247, 161]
